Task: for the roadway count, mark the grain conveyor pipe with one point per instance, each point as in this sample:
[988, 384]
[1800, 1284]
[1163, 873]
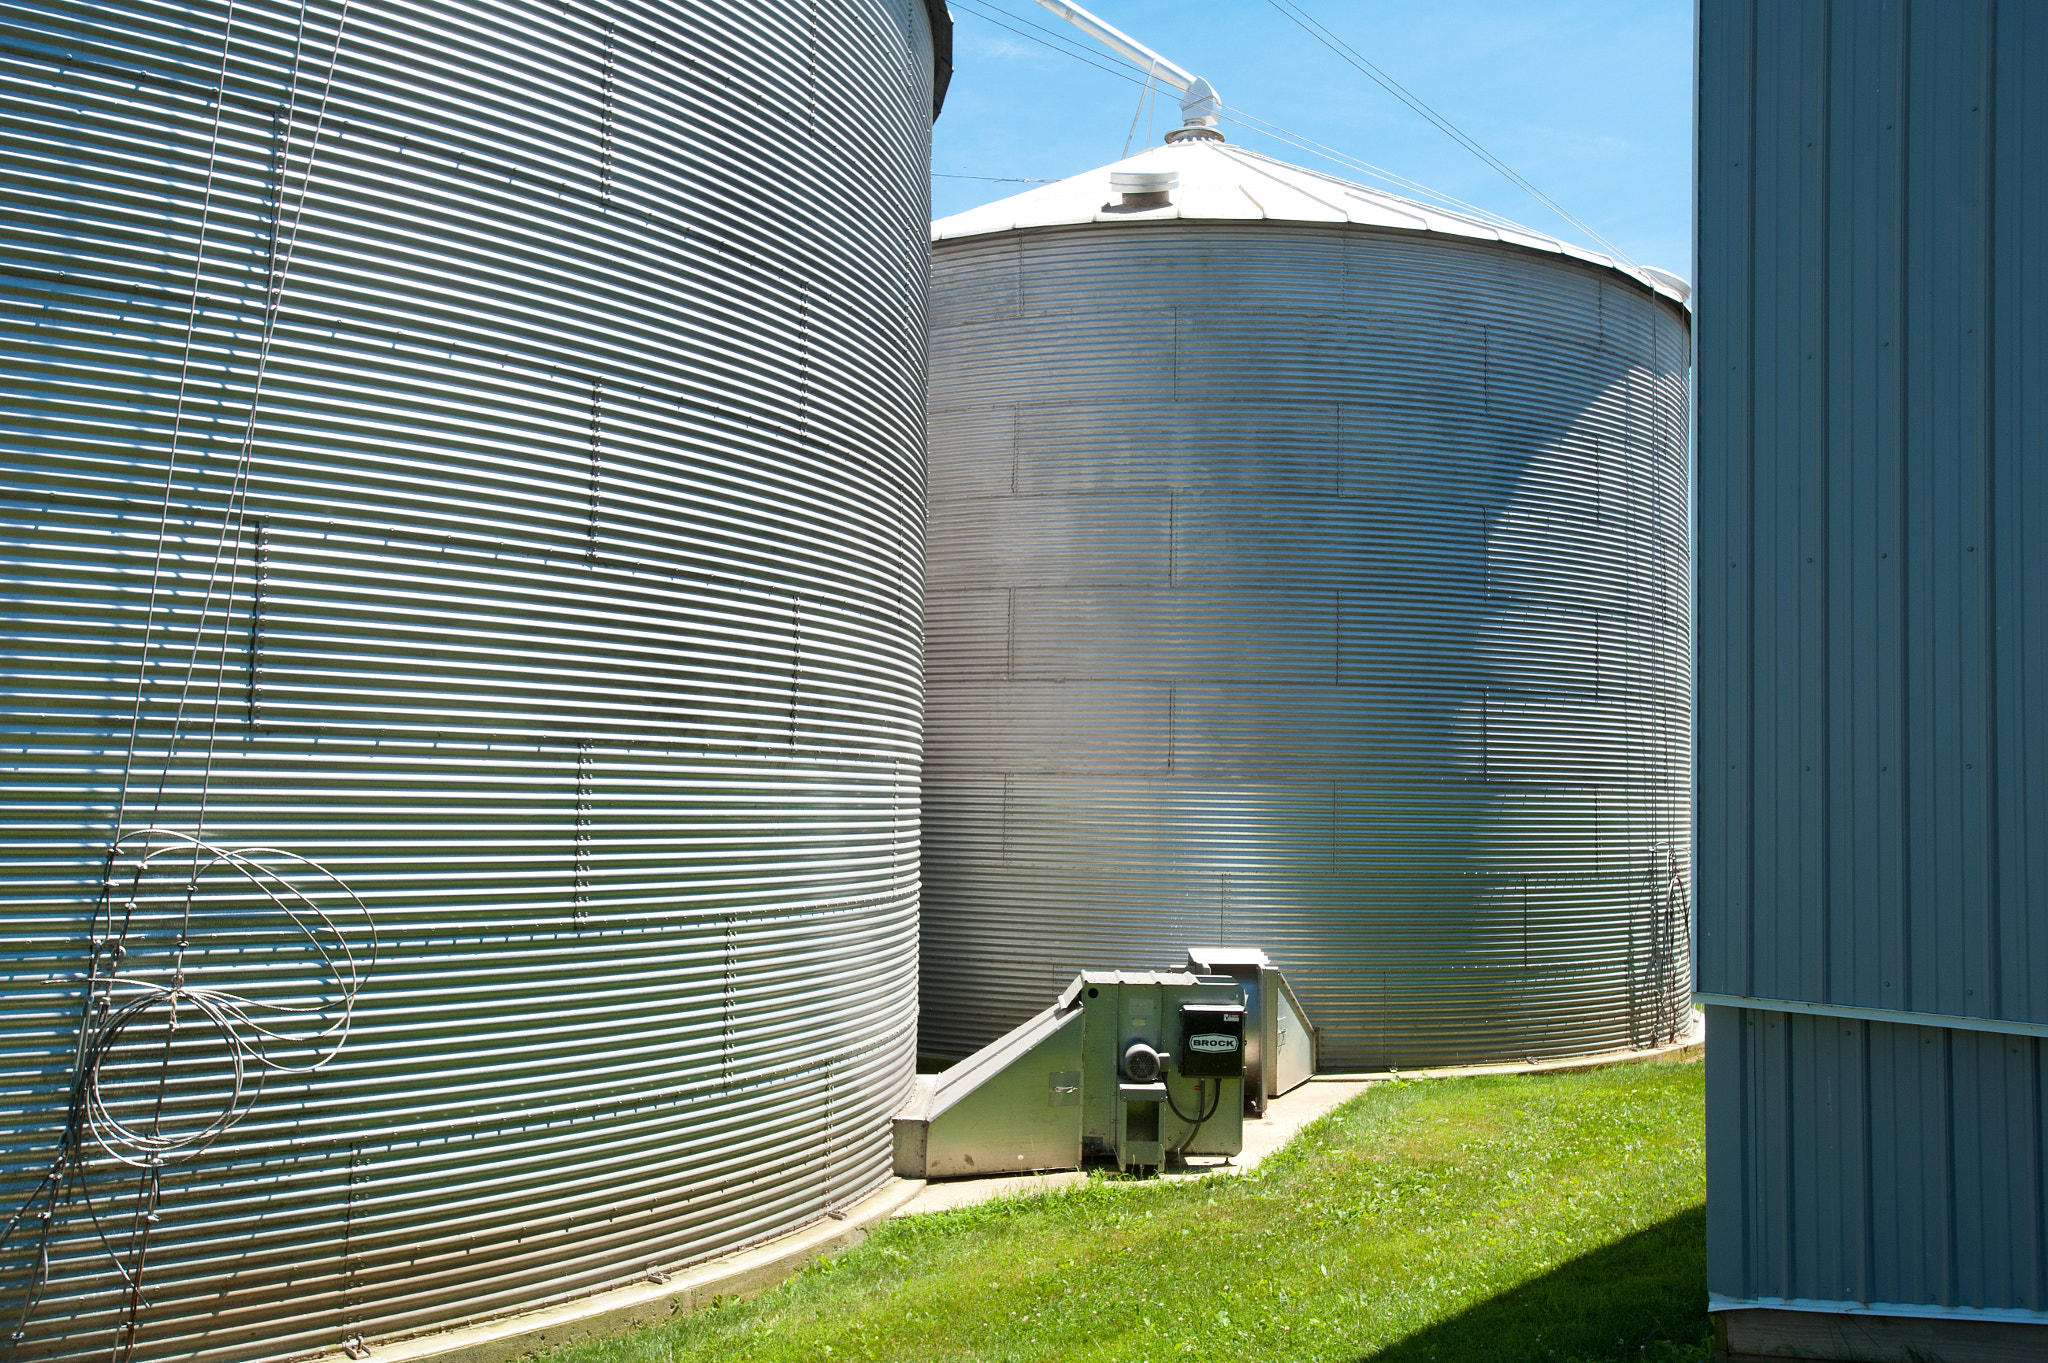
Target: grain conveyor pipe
[1200, 105]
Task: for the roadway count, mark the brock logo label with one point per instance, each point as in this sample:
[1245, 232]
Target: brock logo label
[1213, 1042]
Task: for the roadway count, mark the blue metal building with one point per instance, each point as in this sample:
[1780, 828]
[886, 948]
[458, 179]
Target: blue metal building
[1873, 673]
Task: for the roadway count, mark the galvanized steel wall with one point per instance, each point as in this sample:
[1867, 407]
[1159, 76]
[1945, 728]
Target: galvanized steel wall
[1873, 408]
[1317, 589]
[574, 622]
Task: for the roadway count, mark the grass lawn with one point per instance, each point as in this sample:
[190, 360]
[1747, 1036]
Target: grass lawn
[1549, 1217]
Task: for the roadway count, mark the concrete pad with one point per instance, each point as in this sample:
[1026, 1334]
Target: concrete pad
[1292, 1111]
[965, 1192]
[1287, 1115]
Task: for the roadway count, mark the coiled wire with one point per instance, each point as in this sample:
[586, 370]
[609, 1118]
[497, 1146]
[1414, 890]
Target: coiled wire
[138, 980]
[156, 950]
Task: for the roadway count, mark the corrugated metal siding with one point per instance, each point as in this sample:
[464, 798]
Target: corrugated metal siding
[1314, 589]
[1874, 397]
[576, 623]
[1873, 762]
[1866, 1162]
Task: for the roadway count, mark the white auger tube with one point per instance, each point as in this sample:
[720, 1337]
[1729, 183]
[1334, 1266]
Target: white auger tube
[1200, 105]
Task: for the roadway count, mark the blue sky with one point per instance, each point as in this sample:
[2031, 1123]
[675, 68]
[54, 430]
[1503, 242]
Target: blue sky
[1590, 101]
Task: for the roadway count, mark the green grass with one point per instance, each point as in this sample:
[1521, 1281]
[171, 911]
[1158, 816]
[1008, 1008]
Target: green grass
[1497, 1220]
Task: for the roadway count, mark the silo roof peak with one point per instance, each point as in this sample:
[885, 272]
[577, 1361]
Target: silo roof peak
[1222, 182]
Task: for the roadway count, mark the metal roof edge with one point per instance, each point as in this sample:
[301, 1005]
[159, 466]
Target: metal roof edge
[1170, 217]
[1721, 1301]
[1902, 1016]
[942, 52]
[1205, 167]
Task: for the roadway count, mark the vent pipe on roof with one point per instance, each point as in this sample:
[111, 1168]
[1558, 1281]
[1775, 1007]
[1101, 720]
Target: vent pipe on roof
[1200, 105]
[1145, 188]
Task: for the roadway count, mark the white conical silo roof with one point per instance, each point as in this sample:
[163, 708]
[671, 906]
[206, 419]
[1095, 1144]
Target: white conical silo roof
[1225, 183]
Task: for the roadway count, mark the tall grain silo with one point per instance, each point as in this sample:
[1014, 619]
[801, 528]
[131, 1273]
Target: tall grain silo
[1307, 571]
[462, 583]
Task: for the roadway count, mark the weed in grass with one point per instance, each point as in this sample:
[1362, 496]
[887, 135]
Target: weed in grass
[1516, 1219]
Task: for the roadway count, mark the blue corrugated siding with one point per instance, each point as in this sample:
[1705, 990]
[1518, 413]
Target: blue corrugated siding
[1874, 269]
[1873, 1162]
[1873, 615]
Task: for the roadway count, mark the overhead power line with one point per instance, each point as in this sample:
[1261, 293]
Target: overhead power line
[1144, 97]
[1315, 29]
[1060, 44]
[1056, 42]
[1253, 124]
[1243, 120]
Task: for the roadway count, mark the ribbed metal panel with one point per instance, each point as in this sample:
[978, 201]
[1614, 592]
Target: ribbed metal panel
[1873, 406]
[575, 623]
[1875, 234]
[1318, 589]
[1865, 1163]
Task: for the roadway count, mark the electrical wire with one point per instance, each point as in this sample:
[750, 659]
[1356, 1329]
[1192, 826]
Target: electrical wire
[1322, 34]
[234, 517]
[150, 970]
[144, 976]
[1131, 136]
[1409, 188]
[273, 303]
[177, 413]
[1055, 42]
[1196, 1122]
[1060, 39]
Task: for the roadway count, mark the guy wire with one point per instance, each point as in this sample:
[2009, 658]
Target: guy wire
[152, 1187]
[237, 1020]
[177, 421]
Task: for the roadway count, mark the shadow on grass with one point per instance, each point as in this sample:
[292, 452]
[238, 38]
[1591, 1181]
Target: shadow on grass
[1641, 1298]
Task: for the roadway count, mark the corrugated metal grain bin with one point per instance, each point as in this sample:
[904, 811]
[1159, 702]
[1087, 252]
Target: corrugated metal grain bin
[492, 434]
[1307, 572]
[1873, 690]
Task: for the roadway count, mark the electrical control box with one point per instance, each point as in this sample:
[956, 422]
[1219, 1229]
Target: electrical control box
[1211, 1040]
[1136, 1066]
[1140, 1101]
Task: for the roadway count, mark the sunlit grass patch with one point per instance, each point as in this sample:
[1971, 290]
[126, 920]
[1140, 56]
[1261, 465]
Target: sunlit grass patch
[1498, 1219]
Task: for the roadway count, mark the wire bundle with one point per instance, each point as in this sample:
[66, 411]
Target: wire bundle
[143, 980]
[164, 960]
[1060, 42]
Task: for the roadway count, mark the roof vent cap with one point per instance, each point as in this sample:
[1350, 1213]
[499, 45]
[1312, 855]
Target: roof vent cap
[1145, 188]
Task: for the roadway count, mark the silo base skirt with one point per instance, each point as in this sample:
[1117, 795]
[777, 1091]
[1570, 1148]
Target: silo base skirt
[741, 1274]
